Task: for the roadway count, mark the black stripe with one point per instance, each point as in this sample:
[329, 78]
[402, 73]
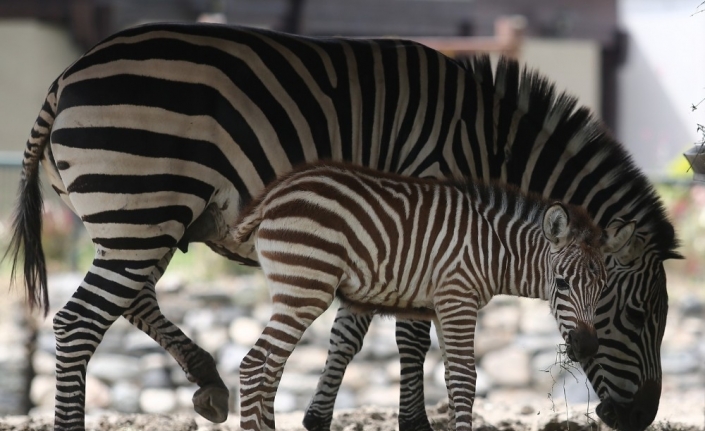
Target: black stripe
[150, 144]
[162, 241]
[180, 213]
[138, 184]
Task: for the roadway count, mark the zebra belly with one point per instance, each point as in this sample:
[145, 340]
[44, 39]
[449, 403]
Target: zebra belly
[385, 299]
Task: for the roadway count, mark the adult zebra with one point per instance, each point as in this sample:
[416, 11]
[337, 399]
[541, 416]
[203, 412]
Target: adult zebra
[157, 136]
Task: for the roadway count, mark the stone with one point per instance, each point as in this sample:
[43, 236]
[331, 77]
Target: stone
[536, 318]
[574, 388]
[125, 397]
[680, 361]
[307, 359]
[505, 319]
[139, 343]
[97, 394]
[43, 362]
[230, 356]
[508, 366]
[199, 319]
[111, 367]
[158, 401]
[245, 331]
[297, 383]
[184, 396]
[380, 396]
[41, 391]
[285, 401]
[483, 384]
[213, 339]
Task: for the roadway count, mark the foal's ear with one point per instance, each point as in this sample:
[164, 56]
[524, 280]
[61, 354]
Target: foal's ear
[617, 235]
[555, 223]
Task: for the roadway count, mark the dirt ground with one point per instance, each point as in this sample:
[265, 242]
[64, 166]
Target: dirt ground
[683, 414]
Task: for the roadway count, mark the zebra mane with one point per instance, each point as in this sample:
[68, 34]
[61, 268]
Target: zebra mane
[577, 141]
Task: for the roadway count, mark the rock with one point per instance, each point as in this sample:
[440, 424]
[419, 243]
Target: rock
[307, 359]
[680, 362]
[508, 366]
[573, 387]
[285, 401]
[43, 362]
[199, 319]
[482, 386]
[504, 319]
[213, 339]
[546, 367]
[692, 306]
[42, 391]
[125, 397]
[297, 383]
[157, 401]
[487, 341]
[379, 396]
[139, 343]
[230, 356]
[155, 371]
[184, 396]
[533, 343]
[245, 331]
[536, 318]
[112, 368]
[97, 394]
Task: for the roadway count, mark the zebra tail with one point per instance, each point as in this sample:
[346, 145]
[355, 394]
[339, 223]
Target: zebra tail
[27, 222]
[249, 222]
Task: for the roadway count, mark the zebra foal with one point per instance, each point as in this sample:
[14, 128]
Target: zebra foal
[427, 249]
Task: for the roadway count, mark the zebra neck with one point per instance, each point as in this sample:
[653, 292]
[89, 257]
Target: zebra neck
[522, 264]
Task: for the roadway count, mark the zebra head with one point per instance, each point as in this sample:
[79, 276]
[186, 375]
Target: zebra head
[633, 310]
[577, 273]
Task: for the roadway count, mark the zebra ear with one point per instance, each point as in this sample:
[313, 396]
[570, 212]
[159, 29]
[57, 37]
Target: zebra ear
[617, 235]
[555, 223]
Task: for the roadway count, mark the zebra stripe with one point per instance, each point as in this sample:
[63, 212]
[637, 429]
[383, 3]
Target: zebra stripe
[335, 230]
[202, 117]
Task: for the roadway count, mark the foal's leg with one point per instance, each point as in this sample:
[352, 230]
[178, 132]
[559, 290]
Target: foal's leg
[346, 338]
[457, 319]
[413, 342]
[294, 307]
[211, 399]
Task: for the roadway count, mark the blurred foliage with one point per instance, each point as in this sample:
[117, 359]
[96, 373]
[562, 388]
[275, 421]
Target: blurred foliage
[685, 204]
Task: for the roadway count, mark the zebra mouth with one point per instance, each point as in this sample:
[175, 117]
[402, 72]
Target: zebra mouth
[570, 353]
[606, 412]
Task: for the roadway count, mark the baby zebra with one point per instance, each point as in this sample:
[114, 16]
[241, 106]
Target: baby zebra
[418, 248]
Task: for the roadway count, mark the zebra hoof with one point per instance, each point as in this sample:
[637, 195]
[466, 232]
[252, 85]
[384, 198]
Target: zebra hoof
[211, 402]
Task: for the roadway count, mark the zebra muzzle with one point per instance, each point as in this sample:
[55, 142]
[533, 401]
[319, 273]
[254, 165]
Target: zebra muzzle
[582, 343]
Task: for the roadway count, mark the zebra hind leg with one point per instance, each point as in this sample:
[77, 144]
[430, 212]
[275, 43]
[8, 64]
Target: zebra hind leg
[211, 399]
[262, 367]
[108, 289]
[413, 342]
[346, 339]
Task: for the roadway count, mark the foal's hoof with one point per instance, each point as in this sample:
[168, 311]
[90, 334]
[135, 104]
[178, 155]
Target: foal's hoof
[211, 402]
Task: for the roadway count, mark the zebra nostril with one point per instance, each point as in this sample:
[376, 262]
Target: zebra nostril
[583, 344]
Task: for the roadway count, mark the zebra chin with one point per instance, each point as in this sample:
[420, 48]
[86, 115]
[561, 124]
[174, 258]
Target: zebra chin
[634, 416]
[582, 342]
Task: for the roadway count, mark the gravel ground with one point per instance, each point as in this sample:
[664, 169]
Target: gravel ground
[685, 412]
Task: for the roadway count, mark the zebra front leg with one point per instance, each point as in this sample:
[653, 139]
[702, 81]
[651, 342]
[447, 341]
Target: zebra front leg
[413, 342]
[457, 319]
[345, 342]
[108, 289]
[211, 399]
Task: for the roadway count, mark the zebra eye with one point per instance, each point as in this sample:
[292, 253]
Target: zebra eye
[635, 316]
[561, 284]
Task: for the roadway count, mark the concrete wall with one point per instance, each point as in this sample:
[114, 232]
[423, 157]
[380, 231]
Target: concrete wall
[574, 66]
[32, 55]
[662, 77]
